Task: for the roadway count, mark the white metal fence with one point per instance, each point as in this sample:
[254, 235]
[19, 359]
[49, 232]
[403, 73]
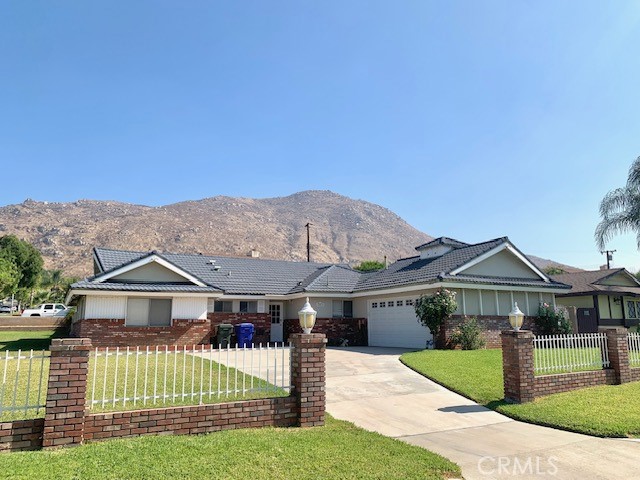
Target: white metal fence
[147, 377]
[23, 391]
[570, 353]
[634, 349]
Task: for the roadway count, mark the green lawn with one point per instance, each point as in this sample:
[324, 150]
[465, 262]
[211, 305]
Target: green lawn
[28, 339]
[337, 450]
[477, 374]
[167, 380]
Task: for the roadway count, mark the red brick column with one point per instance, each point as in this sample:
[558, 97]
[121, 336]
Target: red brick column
[66, 392]
[518, 366]
[307, 377]
[618, 347]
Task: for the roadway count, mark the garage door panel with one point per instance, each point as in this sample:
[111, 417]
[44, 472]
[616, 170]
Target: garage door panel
[396, 327]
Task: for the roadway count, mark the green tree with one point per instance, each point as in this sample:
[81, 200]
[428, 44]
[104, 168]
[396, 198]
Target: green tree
[25, 257]
[52, 287]
[369, 266]
[620, 210]
[9, 277]
[433, 310]
[553, 270]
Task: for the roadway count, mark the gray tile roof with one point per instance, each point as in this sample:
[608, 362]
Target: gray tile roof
[143, 287]
[251, 276]
[588, 282]
[443, 241]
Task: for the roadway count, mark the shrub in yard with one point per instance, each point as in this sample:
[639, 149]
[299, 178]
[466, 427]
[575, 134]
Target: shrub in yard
[552, 320]
[433, 310]
[469, 335]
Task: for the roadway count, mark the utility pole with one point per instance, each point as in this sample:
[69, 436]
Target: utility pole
[609, 257]
[308, 225]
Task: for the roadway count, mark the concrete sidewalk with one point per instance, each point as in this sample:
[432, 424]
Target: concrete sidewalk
[371, 388]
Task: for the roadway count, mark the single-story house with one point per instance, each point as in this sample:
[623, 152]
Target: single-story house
[608, 298]
[157, 298]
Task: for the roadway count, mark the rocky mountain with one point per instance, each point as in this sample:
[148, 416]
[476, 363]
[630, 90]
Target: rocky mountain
[343, 229]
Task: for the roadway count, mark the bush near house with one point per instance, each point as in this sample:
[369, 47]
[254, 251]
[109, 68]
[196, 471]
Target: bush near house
[433, 310]
[468, 335]
[552, 321]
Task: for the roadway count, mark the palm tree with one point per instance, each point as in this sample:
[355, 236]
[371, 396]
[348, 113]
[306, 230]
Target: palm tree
[620, 209]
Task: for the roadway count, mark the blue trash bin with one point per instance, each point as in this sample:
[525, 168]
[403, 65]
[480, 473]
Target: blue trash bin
[244, 334]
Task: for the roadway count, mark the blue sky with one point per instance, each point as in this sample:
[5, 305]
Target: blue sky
[468, 119]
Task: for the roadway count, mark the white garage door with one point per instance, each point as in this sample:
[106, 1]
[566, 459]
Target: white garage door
[393, 323]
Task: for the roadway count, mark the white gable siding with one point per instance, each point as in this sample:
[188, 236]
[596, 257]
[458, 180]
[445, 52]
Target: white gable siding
[502, 264]
[189, 308]
[151, 272]
[105, 307]
[619, 279]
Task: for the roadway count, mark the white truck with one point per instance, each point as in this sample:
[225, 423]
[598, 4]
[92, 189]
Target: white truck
[44, 310]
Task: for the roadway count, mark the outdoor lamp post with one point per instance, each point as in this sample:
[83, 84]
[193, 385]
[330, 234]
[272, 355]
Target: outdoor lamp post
[516, 317]
[307, 317]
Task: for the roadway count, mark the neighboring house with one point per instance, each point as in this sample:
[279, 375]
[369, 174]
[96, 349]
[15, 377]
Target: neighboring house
[607, 298]
[152, 298]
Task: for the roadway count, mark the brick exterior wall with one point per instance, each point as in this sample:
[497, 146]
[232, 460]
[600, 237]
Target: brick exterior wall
[67, 422]
[21, 435]
[268, 412]
[261, 323]
[493, 325]
[635, 374]
[308, 377]
[114, 333]
[352, 329]
[66, 392]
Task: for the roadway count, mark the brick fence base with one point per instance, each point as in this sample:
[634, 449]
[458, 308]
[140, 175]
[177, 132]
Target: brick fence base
[67, 421]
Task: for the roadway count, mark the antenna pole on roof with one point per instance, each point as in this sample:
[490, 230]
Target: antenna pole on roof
[308, 225]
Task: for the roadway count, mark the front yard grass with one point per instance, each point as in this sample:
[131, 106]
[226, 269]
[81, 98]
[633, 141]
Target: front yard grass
[606, 411]
[337, 450]
[28, 339]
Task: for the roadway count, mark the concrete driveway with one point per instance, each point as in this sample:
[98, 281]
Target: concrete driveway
[371, 388]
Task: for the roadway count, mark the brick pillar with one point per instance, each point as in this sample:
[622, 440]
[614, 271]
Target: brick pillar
[66, 392]
[517, 365]
[618, 348]
[307, 377]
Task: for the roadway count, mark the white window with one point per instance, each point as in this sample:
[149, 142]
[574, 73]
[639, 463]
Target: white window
[633, 309]
[342, 309]
[223, 306]
[409, 302]
[148, 312]
[374, 304]
[382, 304]
[399, 303]
[248, 307]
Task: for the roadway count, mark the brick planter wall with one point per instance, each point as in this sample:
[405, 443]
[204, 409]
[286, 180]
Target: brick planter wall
[267, 412]
[522, 385]
[493, 325]
[548, 384]
[21, 435]
[114, 333]
[67, 422]
[353, 329]
[261, 323]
